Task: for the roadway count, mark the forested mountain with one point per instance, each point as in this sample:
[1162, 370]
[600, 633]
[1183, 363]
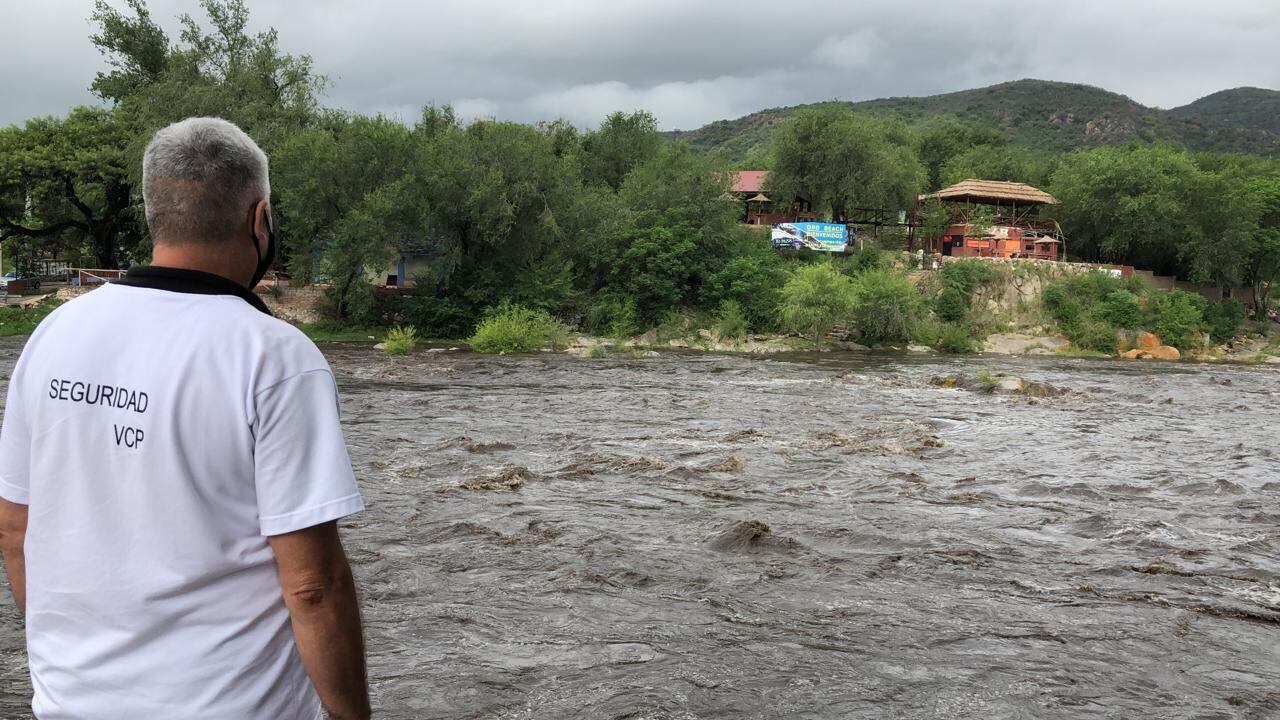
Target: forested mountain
[1050, 116]
[1246, 107]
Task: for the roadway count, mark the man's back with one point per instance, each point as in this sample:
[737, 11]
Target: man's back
[159, 437]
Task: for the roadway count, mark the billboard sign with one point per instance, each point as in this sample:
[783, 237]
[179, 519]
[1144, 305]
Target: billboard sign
[820, 237]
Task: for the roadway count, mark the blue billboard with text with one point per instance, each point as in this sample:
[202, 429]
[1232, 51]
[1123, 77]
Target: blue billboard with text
[820, 237]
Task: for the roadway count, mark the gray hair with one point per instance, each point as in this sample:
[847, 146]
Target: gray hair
[200, 177]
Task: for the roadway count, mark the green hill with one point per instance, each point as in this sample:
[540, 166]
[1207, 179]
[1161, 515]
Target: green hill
[1032, 113]
[1246, 107]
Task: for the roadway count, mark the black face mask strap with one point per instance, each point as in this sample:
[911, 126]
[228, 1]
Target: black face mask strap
[264, 261]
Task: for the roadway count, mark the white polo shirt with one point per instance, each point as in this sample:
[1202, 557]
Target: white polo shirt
[158, 437]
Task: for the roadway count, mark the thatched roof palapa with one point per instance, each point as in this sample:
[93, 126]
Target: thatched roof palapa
[993, 192]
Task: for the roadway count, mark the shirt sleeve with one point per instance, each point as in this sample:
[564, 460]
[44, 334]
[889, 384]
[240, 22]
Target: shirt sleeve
[301, 468]
[15, 447]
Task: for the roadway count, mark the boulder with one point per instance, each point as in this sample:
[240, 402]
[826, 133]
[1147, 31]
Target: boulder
[705, 334]
[919, 349]
[1164, 352]
[1010, 385]
[1132, 354]
[678, 343]
[1147, 341]
[649, 339]
[380, 346]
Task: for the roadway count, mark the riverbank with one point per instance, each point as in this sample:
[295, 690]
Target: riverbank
[1254, 348]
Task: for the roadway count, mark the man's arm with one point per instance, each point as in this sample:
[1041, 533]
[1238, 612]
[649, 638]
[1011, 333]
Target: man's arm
[13, 533]
[321, 596]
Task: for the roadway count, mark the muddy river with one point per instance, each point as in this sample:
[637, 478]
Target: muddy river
[827, 536]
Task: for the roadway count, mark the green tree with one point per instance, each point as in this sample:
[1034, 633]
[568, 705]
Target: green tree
[1261, 267]
[657, 267]
[223, 70]
[998, 162]
[64, 184]
[816, 298]
[750, 280]
[841, 161]
[343, 194]
[944, 139]
[1150, 206]
[622, 143]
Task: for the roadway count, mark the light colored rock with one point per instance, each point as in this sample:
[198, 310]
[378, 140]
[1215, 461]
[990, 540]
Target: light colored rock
[1023, 343]
[678, 343]
[1132, 354]
[1010, 385]
[1147, 341]
[1165, 352]
[649, 338]
[380, 346]
[705, 334]
[919, 349]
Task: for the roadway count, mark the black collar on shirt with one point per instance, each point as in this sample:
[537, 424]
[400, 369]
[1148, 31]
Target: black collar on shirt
[189, 281]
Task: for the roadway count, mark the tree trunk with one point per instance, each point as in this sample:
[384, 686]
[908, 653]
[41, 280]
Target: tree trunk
[103, 239]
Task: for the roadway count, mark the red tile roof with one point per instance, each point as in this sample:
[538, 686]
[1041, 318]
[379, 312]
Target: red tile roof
[749, 181]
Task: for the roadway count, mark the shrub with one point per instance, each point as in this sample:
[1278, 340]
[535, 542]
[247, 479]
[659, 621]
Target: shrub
[1061, 305]
[400, 340]
[753, 282]
[517, 329]
[1122, 309]
[887, 307]
[1176, 316]
[731, 323]
[954, 338]
[1224, 319]
[951, 305]
[613, 317]
[815, 298]
[1095, 335]
[868, 258]
[966, 275]
[1094, 287]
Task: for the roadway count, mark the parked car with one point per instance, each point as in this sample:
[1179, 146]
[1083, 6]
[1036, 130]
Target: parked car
[33, 280]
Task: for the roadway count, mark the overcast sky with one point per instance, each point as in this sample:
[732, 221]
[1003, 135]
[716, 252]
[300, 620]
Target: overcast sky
[688, 61]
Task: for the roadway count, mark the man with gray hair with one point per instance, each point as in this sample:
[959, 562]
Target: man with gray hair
[172, 470]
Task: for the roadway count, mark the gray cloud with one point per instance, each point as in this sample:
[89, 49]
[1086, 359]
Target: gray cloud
[689, 62]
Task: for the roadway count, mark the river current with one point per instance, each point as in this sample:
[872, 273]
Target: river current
[805, 536]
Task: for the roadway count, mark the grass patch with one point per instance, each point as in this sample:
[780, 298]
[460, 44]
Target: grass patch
[988, 380]
[331, 332]
[23, 320]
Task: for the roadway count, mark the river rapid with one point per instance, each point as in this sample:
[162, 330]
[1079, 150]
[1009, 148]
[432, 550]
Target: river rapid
[806, 536]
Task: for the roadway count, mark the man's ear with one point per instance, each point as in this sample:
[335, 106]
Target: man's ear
[262, 222]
